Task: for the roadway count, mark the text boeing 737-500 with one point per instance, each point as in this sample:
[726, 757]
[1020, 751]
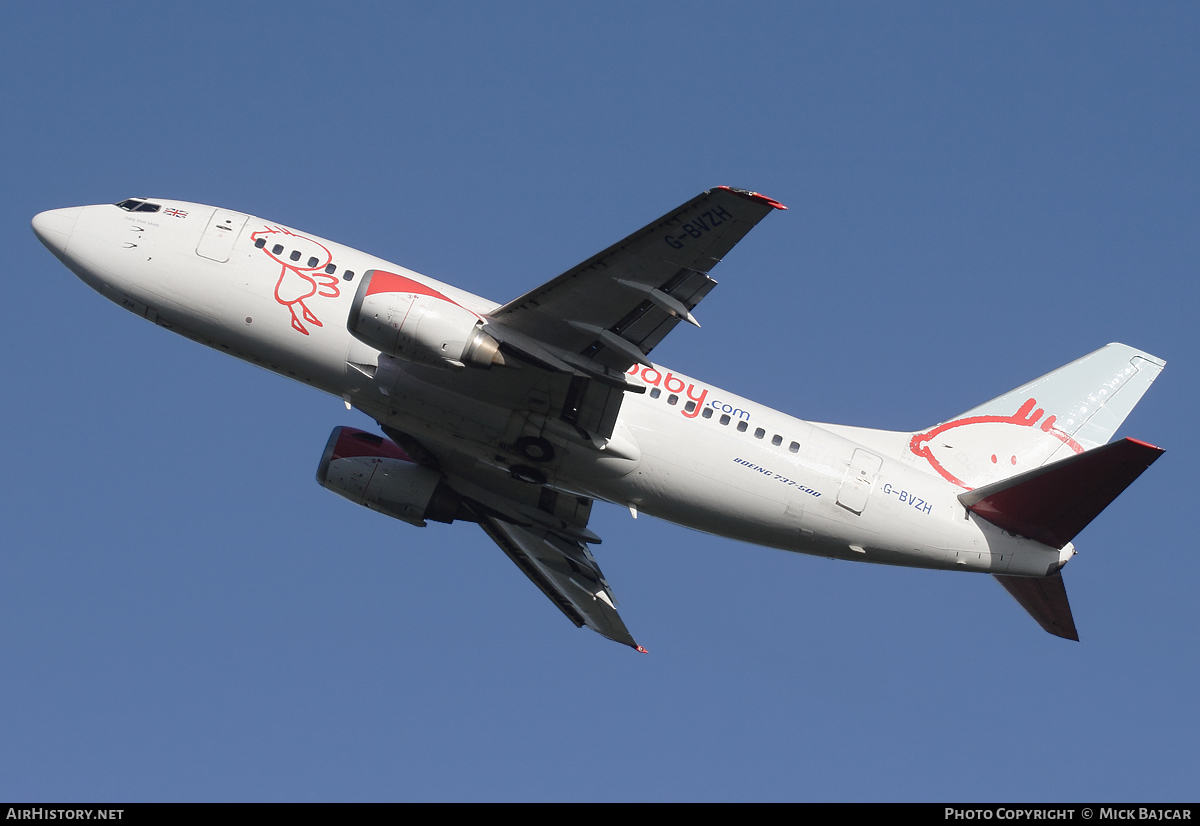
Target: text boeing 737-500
[518, 416]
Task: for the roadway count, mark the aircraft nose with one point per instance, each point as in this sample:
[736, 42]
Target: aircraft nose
[53, 228]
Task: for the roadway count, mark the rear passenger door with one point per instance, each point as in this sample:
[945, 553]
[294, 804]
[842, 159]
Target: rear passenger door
[858, 481]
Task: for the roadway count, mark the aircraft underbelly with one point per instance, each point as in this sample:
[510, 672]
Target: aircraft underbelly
[829, 497]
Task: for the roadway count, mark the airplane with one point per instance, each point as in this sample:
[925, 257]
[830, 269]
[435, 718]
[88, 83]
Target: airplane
[519, 416]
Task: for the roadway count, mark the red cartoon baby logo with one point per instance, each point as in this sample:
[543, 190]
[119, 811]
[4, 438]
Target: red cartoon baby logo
[306, 272]
[975, 432]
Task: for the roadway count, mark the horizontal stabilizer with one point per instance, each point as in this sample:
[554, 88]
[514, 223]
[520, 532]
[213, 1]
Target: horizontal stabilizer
[1053, 503]
[1045, 598]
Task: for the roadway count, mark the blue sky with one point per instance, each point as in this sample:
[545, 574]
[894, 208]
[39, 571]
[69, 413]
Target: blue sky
[978, 194]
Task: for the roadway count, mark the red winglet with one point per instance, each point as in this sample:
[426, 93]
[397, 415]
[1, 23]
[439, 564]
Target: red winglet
[642, 650]
[754, 196]
[1143, 444]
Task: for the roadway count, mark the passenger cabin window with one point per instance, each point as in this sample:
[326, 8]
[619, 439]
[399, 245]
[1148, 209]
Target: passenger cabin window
[312, 262]
[706, 413]
[655, 392]
[794, 447]
[759, 433]
[672, 399]
[295, 256]
[777, 440]
[330, 269]
[348, 275]
[277, 249]
[260, 243]
[724, 418]
[690, 407]
[742, 427]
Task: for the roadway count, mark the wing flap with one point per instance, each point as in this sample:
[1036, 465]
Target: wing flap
[566, 572]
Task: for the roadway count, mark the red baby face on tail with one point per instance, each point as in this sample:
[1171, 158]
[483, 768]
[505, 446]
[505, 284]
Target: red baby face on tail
[936, 446]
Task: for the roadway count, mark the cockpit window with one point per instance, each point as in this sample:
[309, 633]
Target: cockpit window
[138, 205]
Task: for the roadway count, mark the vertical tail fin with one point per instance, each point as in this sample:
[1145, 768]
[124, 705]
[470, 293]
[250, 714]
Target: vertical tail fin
[1065, 412]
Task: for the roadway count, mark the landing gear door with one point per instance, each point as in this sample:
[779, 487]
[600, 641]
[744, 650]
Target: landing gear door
[223, 229]
[860, 478]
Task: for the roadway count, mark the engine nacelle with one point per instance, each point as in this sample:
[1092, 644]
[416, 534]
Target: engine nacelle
[372, 471]
[409, 320]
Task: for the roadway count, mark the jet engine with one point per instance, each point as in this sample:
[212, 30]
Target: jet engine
[411, 321]
[372, 471]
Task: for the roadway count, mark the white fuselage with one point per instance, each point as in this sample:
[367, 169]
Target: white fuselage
[686, 451]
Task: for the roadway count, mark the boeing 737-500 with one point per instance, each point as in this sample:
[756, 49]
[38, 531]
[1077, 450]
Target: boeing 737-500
[518, 416]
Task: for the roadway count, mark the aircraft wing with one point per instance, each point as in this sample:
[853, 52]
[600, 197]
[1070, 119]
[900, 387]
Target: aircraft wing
[615, 307]
[583, 330]
[566, 572]
[542, 530]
